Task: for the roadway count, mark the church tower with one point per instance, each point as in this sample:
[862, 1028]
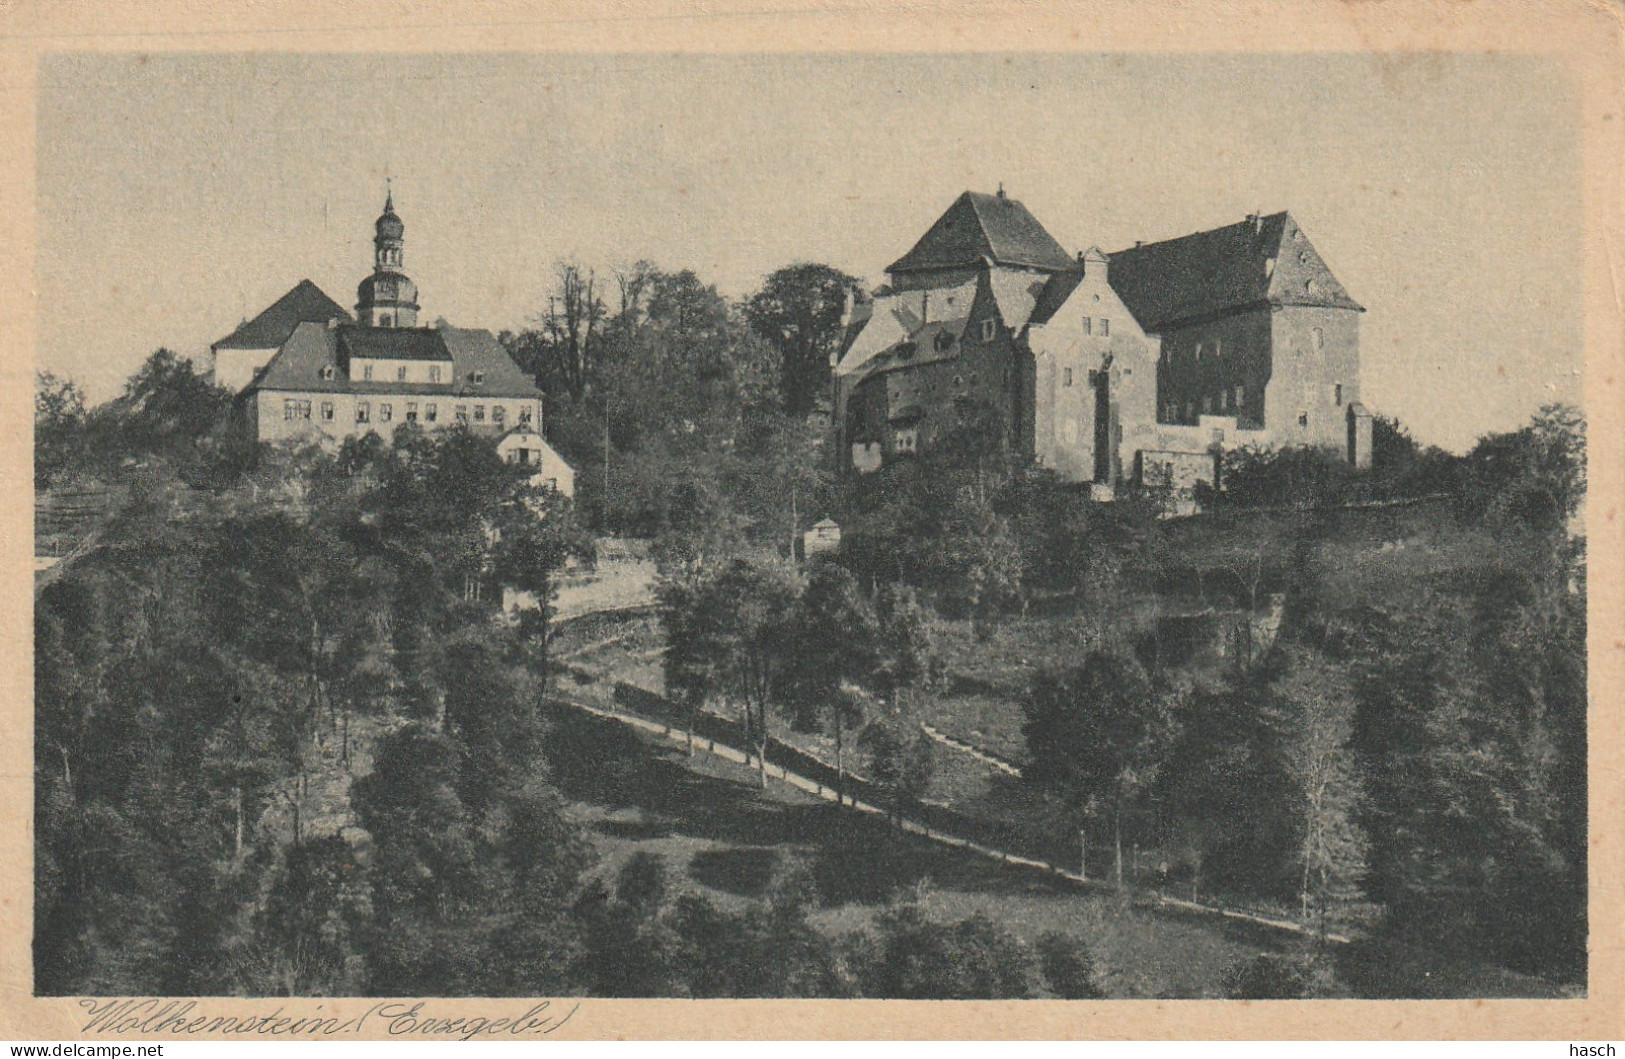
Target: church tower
[387, 298]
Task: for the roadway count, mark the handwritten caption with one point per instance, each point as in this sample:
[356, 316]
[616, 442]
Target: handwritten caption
[409, 1018]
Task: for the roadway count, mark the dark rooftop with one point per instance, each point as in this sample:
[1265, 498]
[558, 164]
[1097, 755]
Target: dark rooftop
[305, 303]
[1261, 260]
[979, 226]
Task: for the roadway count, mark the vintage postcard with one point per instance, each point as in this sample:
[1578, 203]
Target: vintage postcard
[533, 513]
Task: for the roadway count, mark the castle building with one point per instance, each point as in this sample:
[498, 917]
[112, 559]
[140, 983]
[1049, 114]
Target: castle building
[1137, 365]
[305, 370]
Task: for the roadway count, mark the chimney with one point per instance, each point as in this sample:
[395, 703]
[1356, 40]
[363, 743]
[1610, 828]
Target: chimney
[1001, 189]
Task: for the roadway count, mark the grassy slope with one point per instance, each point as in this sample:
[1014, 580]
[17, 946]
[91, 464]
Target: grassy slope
[722, 836]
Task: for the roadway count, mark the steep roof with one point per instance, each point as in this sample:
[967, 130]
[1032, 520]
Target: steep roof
[892, 319]
[305, 303]
[477, 351]
[1261, 260]
[476, 354]
[979, 226]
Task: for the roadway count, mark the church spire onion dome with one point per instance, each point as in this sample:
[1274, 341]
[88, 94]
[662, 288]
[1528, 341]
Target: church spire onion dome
[387, 298]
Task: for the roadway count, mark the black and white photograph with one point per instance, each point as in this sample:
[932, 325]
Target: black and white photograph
[865, 524]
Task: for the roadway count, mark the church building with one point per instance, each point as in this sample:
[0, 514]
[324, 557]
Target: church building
[1143, 365]
[306, 370]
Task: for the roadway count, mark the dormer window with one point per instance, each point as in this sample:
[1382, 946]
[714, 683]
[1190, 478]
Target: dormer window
[366, 372]
[434, 373]
[477, 377]
[327, 373]
[400, 373]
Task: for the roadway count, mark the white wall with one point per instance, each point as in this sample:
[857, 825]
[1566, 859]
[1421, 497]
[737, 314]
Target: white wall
[235, 368]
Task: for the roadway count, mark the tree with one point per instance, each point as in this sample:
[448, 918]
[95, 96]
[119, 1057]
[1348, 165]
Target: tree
[1097, 734]
[921, 959]
[902, 759]
[799, 312]
[1068, 967]
[833, 642]
[1325, 775]
[726, 640]
[167, 407]
[563, 347]
[59, 427]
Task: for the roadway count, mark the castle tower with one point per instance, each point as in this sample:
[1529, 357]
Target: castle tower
[387, 298]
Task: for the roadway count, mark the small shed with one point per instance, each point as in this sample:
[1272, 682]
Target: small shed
[825, 536]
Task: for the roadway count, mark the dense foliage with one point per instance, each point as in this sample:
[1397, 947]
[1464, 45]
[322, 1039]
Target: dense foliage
[287, 740]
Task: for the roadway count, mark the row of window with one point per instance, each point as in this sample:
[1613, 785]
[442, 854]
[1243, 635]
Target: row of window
[400, 373]
[299, 408]
[1225, 402]
[1232, 400]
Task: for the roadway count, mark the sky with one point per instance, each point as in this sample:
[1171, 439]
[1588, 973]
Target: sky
[178, 194]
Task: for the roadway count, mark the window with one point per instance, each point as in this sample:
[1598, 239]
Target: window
[1105, 327]
[385, 413]
[400, 373]
[411, 411]
[1319, 338]
[385, 321]
[1088, 325]
[1207, 405]
[1170, 412]
[363, 412]
[461, 413]
[497, 413]
[1190, 411]
[431, 412]
[366, 372]
[989, 329]
[327, 373]
[1241, 396]
[1198, 351]
[1066, 377]
[1218, 348]
[524, 413]
[905, 440]
[327, 411]
[477, 376]
[1303, 419]
[479, 413]
[293, 408]
[434, 373]
[1337, 394]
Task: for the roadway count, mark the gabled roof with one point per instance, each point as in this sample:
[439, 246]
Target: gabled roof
[978, 227]
[305, 303]
[1262, 260]
[897, 317]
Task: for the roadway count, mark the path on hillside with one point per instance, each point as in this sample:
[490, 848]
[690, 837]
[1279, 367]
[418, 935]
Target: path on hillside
[728, 753]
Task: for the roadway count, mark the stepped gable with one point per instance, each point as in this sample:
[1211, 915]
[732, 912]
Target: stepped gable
[1259, 261]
